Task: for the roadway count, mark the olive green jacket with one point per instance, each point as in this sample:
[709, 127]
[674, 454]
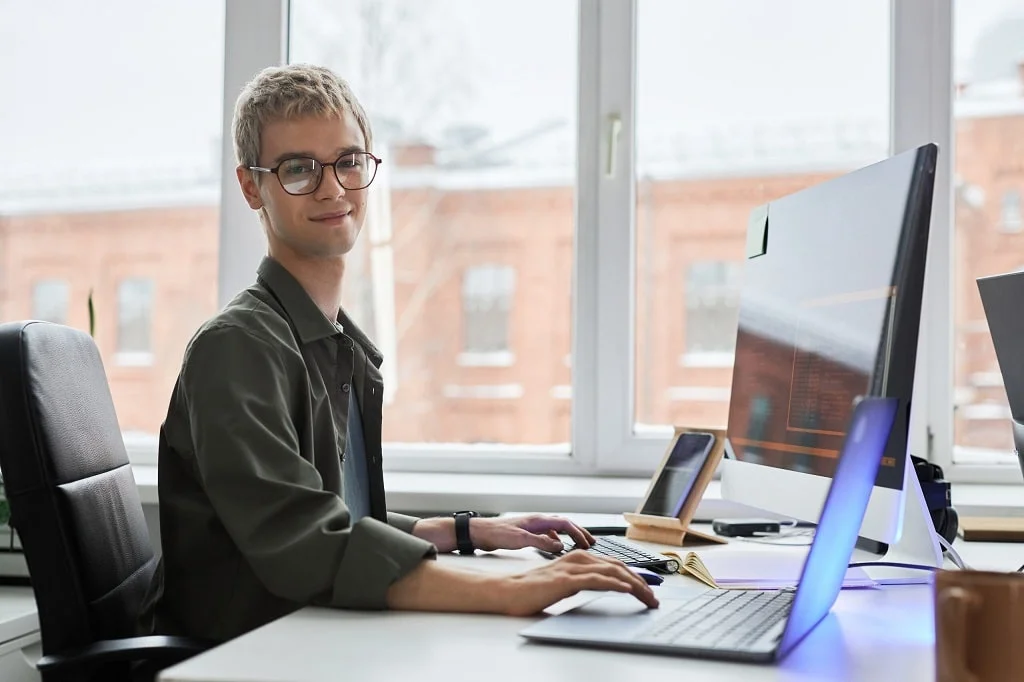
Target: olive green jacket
[252, 522]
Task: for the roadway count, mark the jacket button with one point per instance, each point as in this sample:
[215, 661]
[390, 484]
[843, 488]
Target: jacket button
[345, 388]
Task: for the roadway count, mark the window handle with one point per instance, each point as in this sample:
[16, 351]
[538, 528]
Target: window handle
[614, 128]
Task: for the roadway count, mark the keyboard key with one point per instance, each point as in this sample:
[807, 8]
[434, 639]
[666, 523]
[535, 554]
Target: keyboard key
[721, 619]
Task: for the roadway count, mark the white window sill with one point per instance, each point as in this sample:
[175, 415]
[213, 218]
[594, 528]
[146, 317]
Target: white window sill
[707, 359]
[133, 359]
[435, 493]
[498, 358]
[483, 392]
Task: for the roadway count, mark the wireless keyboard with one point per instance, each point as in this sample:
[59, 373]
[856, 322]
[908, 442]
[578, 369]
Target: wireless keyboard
[627, 553]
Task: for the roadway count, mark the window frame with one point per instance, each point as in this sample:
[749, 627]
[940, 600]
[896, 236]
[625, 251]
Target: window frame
[604, 439]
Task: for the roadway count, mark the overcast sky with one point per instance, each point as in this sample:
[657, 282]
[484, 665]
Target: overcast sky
[84, 83]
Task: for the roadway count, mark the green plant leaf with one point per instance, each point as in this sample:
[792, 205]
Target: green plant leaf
[92, 317]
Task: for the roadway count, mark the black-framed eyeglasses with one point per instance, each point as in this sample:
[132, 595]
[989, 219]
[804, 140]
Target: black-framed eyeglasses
[303, 175]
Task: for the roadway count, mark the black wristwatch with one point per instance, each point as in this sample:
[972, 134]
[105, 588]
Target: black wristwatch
[462, 540]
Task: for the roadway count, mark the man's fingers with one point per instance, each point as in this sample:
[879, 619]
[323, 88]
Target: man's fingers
[580, 537]
[618, 583]
[548, 543]
[598, 581]
[613, 568]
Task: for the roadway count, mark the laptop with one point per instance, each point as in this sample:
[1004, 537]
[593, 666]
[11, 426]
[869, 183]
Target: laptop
[1001, 297]
[749, 625]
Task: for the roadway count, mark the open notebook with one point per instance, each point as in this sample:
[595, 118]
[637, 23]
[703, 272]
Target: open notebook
[745, 570]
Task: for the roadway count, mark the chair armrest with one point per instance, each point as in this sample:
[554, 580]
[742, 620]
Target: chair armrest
[150, 648]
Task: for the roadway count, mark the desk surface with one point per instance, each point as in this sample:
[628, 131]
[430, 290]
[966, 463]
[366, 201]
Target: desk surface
[871, 634]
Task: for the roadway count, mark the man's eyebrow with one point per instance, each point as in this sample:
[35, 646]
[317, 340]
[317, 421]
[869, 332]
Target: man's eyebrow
[304, 154]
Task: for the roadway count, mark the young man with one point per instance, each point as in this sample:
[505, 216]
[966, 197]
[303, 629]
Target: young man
[270, 481]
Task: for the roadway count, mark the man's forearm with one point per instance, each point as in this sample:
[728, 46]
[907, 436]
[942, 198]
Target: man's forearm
[439, 531]
[432, 587]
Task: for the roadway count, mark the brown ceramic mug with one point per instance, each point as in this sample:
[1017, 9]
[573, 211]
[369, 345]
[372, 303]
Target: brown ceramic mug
[979, 626]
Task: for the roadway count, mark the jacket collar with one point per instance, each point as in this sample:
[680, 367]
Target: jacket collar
[310, 322]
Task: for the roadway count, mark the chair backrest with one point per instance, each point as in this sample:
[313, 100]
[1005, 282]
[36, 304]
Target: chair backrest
[72, 495]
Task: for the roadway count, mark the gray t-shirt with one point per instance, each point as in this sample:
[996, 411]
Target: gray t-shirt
[353, 468]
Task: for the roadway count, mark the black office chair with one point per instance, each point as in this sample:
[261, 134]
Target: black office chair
[76, 509]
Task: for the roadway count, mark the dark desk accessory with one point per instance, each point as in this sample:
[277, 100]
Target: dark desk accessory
[605, 530]
[938, 498]
[745, 528]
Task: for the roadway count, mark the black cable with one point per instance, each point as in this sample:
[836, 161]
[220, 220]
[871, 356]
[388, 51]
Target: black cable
[894, 564]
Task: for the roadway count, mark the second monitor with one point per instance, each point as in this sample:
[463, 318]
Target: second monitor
[830, 310]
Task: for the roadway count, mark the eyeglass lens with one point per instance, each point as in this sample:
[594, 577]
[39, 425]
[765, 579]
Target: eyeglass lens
[302, 175]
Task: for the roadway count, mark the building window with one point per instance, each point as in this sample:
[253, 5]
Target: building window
[50, 301]
[135, 321]
[1011, 219]
[712, 311]
[487, 293]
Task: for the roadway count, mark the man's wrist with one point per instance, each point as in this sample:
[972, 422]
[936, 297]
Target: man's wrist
[438, 530]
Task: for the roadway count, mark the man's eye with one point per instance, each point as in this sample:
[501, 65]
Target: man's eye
[298, 168]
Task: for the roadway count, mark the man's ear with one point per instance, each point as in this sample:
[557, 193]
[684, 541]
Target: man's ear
[250, 190]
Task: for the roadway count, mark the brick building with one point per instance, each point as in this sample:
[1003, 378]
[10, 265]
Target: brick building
[465, 278]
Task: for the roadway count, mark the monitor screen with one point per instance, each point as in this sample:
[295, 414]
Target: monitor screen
[829, 311]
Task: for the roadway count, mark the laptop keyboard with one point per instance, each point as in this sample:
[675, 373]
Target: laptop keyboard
[721, 619]
[627, 554]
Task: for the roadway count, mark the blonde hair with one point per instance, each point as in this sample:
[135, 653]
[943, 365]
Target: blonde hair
[281, 93]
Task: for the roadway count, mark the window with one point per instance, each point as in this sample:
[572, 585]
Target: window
[473, 106]
[624, 143]
[50, 301]
[1010, 220]
[487, 295]
[712, 312]
[729, 117]
[988, 127]
[132, 176]
[135, 322]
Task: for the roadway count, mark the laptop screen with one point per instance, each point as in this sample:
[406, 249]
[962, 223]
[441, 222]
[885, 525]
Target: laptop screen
[845, 505]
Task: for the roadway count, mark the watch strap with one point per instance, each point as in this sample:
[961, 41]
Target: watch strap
[462, 539]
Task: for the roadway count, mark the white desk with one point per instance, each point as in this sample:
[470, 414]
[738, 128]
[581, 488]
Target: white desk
[883, 634]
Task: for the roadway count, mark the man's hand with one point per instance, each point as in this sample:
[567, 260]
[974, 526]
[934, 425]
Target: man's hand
[535, 590]
[535, 530]
[512, 532]
[434, 587]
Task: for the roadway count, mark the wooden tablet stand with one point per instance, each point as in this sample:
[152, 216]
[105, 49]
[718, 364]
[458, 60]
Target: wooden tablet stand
[675, 530]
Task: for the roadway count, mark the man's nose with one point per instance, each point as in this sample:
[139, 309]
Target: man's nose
[330, 183]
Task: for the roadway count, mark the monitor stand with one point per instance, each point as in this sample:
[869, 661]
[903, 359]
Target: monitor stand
[917, 543]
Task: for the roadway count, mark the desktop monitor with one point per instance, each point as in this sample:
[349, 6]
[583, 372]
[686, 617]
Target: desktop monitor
[830, 310]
